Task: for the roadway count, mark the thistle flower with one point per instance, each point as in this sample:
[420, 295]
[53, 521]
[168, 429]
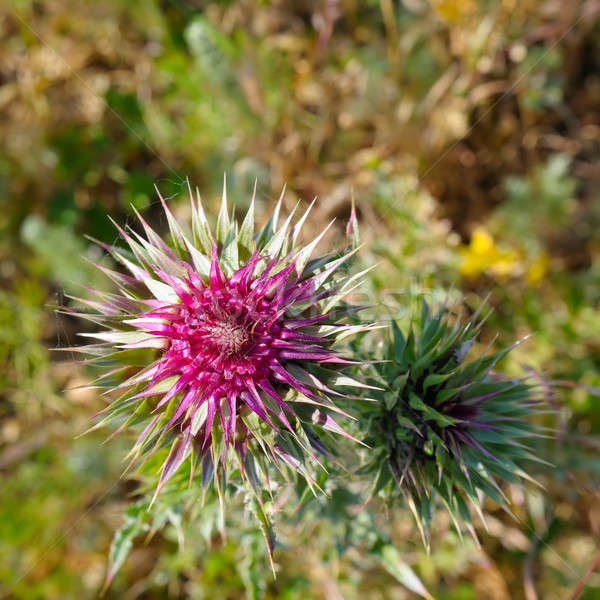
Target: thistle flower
[225, 341]
[446, 430]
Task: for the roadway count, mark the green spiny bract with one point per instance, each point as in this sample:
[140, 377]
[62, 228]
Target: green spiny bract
[446, 430]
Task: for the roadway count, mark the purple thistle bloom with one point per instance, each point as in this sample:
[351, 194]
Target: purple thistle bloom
[228, 340]
[238, 350]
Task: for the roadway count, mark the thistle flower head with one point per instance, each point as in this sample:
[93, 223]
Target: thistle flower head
[447, 430]
[224, 341]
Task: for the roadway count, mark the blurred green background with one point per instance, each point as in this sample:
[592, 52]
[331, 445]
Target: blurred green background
[469, 132]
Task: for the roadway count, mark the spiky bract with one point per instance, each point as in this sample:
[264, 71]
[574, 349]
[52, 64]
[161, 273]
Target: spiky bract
[225, 341]
[446, 430]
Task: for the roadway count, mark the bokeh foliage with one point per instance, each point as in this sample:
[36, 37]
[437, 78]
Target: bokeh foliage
[468, 131]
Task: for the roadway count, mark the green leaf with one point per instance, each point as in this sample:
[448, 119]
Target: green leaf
[390, 399]
[200, 227]
[123, 541]
[398, 568]
[399, 341]
[246, 235]
[429, 412]
[229, 258]
[223, 222]
[435, 379]
[266, 527]
[399, 383]
[268, 231]
[444, 395]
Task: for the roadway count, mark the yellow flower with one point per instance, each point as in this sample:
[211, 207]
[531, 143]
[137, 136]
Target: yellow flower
[539, 268]
[454, 10]
[483, 255]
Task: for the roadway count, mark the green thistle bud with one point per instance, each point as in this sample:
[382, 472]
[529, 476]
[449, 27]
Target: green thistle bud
[446, 430]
